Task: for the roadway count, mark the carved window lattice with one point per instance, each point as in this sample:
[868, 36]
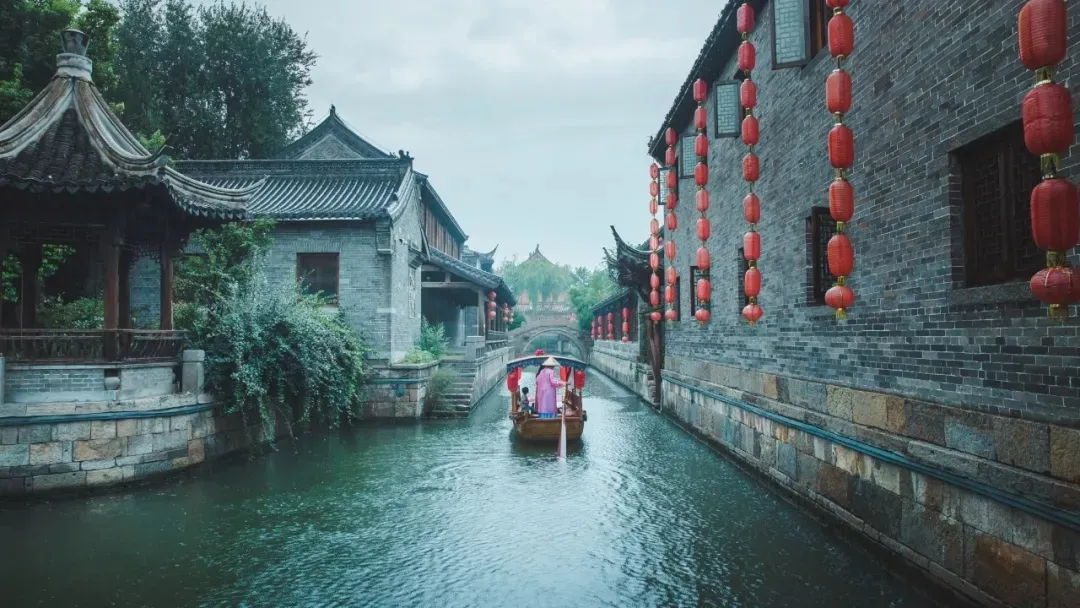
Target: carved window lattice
[740, 295]
[820, 227]
[688, 160]
[997, 176]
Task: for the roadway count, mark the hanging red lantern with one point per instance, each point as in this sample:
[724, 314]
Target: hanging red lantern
[841, 256]
[491, 295]
[654, 227]
[656, 317]
[744, 18]
[670, 136]
[701, 145]
[841, 147]
[653, 207]
[654, 189]
[702, 199]
[654, 243]
[1048, 119]
[1055, 215]
[672, 181]
[672, 223]
[841, 35]
[654, 281]
[669, 294]
[752, 282]
[1058, 287]
[703, 261]
[671, 315]
[672, 201]
[748, 94]
[751, 206]
[752, 245]
[491, 315]
[750, 131]
[704, 290]
[752, 313]
[747, 57]
[670, 158]
[701, 90]
[704, 230]
[840, 297]
[654, 261]
[702, 315]
[654, 172]
[654, 299]
[669, 249]
[579, 379]
[672, 275]
[841, 200]
[751, 167]
[701, 174]
[1043, 30]
[701, 118]
[838, 92]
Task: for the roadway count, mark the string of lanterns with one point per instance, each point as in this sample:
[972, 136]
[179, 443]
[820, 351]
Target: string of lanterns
[491, 306]
[841, 255]
[610, 326]
[654, 245]
[701, 178]
[751, 166]
[1048, 132]
[625, 324]
[672, 223]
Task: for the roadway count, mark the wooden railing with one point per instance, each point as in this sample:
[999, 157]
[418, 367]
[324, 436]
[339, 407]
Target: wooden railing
[90, 345]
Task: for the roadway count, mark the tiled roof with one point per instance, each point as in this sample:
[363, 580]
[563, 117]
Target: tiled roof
[334, 126]
[67, 139]
[436, 202]
[629, 266]
[473, 274]
[311, 190]
[722, 41]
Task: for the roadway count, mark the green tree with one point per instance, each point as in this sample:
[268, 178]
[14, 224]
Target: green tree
[29, 43]
[589, 292]
[138, 41]
[98, 20]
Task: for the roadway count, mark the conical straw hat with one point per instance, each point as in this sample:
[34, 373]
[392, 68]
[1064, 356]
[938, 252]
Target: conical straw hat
[550, 362]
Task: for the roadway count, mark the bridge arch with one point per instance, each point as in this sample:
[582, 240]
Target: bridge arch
[568, 329]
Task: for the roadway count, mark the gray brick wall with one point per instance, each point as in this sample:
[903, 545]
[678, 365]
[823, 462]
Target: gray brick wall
[405, 280]
[145, 292]
[929, 77]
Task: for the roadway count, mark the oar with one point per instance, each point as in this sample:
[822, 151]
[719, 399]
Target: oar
[562, 433]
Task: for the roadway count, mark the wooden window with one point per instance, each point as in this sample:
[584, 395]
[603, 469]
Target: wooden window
[663, 186]
[728, 113]
[318, 273]
[820, 227]
[997, 176]
[800, 31]
[740, 284]
[688, 159]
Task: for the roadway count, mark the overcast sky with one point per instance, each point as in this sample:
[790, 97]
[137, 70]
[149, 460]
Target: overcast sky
[530, 116]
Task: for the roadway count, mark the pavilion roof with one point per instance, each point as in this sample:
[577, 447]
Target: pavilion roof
[481, 278]
[628, 265]
[68, 140]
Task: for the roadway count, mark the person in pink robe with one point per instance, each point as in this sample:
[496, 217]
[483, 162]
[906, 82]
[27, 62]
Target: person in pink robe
[547, 386]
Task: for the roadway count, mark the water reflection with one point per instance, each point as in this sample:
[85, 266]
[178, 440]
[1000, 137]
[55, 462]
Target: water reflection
[447, 514]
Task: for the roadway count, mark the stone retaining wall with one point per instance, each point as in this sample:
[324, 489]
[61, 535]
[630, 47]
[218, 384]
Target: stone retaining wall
[397, 391]
[986, 504]
[618, 360]
[52, 383]
[490, 370]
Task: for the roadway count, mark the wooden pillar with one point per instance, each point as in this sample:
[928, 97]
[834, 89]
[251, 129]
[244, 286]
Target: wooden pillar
[481, 298]
[166, 288]
[30, 259]
[124, 288]
[110, 256]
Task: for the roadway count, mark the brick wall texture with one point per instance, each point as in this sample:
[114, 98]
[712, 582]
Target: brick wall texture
[929, 77]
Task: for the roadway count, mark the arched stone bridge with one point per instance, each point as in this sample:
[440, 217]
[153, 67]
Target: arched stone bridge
[565, 329]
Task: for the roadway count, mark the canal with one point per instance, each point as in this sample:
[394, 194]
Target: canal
[447, 514]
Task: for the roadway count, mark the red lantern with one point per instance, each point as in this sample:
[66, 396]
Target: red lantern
[610, 317]
[702, 315]
[671, 315]
[672, 201]
[751, 133]
[751, 167]
[841, 147]
[704, 230]
[704, 290]
[745, 19]
[838, 92]
[672, 223]
[671, 136]
[654, 189]
[579, 379]
[672, 181]
[670, 158]
[747, 57]
[751, 244]
[752, 282]
[491, 315]
[748, 94]
[840, 297]
[654, 299]
[701, 174]
[751, 208]
[701, 118]
[702, 199]
[669, 294]
[671, 275]
[669, 248]
[1043, 29]
[491, 295]
[1055, 215]
[654, 172]
[654, 281]
[655, 316]
[841, 256]
[701, 90]
[701, 145]
[841, 35]
[653, 207]
[703, 261]
[654, 261]
[752, 313]
[654, 243]
[841, 200]
[1048, 119]
[654, 227]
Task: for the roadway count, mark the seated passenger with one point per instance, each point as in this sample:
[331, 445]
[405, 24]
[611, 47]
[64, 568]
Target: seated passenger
[526, 405]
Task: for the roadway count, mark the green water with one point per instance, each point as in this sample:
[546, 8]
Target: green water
[447, 514]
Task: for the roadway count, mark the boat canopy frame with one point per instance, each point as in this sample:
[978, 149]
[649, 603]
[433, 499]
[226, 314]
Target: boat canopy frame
[536, 360]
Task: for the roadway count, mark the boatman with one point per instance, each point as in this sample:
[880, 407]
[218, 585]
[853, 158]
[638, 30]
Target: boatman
[547, 387]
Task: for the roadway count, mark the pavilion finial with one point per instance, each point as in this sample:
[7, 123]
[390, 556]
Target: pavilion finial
[333, 110]
[72, 62]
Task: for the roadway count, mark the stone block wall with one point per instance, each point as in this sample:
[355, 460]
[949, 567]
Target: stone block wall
[49, 383]
[404, 278]
[618, 360]
[397, 392]
[490, 370]
[983, 503]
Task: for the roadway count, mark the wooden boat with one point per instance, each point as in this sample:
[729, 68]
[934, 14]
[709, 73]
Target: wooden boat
[531, 427]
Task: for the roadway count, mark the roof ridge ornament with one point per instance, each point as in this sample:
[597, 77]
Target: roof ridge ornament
[72, 61]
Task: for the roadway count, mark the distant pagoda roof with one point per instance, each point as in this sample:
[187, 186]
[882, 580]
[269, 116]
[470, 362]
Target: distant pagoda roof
[629, 265]
[537, 256]
[68, 140]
